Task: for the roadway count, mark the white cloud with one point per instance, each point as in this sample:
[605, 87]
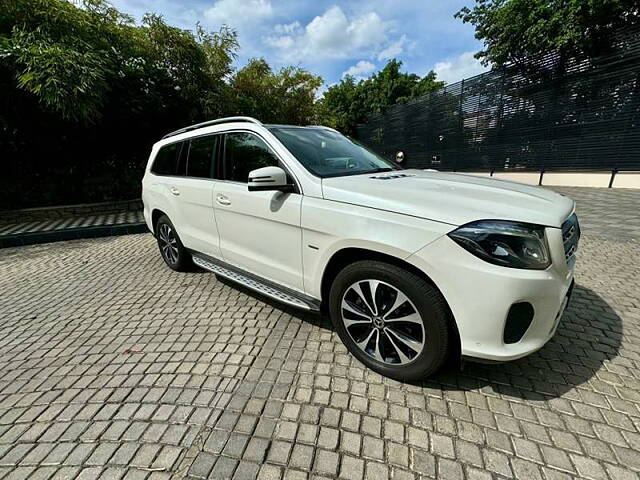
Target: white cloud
[455, 69]
[326, 32]
[394, 49]
[359, 68]
[238, 12]
[288, 28]
[367, 30]
[283, 42]
[331, 35]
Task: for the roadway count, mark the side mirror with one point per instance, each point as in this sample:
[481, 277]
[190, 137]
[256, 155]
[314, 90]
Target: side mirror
[400, 157]
[269, 178]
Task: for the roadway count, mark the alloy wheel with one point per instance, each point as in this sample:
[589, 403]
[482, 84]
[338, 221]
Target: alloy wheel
[383, 322]
[168, 243]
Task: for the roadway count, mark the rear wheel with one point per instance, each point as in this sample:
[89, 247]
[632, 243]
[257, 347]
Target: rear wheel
[173, 252]
[392, 320]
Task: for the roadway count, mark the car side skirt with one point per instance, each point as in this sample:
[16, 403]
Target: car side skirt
[256, 283]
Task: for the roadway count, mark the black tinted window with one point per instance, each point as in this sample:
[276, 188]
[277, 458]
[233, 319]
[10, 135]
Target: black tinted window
[245, 152]
[166, 159]
[201, 157]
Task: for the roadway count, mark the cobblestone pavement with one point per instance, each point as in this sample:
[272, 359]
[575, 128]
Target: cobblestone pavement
[111, 366]
[606, 212]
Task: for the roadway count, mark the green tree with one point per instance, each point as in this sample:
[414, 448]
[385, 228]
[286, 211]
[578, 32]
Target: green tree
[75, 59]
[514, 31]
[59, 53]
[286, 96]
[348, 103]
[85, 91]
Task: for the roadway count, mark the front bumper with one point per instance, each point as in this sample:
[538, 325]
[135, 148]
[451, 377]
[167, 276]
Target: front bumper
[480, 295]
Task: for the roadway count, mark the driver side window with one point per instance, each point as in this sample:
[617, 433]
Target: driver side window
[245, 152]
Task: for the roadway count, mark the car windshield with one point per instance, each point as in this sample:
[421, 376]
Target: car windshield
[327, 153]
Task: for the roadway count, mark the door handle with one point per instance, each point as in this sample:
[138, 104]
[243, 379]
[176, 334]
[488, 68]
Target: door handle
[175, 191]
[223, 200]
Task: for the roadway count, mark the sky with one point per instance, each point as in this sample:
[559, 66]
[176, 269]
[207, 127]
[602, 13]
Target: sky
[335, 38]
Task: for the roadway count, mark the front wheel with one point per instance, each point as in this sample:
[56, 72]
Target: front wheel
[390, 319]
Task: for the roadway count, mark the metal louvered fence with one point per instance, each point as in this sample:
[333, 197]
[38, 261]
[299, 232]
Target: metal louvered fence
[556, 114]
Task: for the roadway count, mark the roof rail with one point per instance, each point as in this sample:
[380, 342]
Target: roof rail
[212, 122]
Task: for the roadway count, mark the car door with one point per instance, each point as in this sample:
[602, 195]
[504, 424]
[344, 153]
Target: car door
[259, 231]
[196, 223]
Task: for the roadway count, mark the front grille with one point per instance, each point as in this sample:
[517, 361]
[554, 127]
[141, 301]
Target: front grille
[570, 236]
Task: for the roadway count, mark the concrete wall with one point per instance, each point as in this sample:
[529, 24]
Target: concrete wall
[576, 179]
[627, 180]
[531, 178]
[570, 179]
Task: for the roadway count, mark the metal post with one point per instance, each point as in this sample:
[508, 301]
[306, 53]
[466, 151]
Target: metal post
[460, 126]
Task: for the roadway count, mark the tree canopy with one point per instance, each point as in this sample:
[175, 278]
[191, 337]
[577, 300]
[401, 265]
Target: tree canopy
[349, 102]
[515, 31]
[85, 91]
[284, 96]
[76, 60]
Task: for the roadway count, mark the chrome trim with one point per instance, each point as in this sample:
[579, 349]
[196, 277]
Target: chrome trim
[570, 237]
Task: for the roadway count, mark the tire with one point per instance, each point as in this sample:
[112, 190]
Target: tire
[410, 347]
[171, 248]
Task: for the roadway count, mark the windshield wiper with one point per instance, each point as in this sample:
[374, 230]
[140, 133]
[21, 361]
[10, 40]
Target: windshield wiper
[358, 172]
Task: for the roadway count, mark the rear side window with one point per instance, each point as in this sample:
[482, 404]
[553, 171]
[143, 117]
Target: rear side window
[166, 161]
[245, 152]
[201, 162]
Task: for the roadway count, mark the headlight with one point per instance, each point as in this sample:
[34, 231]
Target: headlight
[510, 244]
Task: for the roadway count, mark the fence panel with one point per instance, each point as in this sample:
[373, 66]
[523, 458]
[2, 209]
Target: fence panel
[555, 114]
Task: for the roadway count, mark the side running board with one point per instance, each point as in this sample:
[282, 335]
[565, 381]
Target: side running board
[260, 285]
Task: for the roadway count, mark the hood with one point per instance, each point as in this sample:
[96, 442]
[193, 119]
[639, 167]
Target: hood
[452, 198]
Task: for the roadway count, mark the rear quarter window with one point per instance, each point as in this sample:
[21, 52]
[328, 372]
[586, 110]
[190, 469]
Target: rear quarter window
[166, 161]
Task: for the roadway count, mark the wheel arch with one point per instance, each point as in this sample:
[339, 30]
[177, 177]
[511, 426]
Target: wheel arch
[155, 216]
[346, 256]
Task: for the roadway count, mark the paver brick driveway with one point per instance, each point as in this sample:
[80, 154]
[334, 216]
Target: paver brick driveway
[111, 366]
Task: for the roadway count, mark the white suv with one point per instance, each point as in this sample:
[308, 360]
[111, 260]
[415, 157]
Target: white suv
[409, 264]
